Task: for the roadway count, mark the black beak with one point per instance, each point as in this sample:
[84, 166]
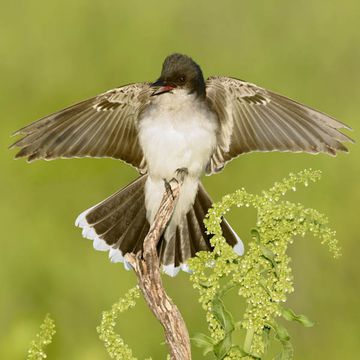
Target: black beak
[161, 87]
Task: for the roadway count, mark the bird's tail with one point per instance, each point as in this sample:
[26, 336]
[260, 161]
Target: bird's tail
[119, 225]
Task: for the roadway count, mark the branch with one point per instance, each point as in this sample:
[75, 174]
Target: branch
[147, 269]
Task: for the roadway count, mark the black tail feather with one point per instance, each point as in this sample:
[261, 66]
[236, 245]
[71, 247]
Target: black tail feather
[119, 224]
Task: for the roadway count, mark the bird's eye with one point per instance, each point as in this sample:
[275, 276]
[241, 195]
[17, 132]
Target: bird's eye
[181, 79]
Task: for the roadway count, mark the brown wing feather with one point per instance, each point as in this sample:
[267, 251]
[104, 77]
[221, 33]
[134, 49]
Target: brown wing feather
[103, 126]
[254, 119]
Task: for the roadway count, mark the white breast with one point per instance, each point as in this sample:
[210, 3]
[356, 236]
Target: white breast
[176, 131]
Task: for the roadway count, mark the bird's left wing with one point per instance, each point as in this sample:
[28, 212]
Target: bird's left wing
[103, 126]
[254, 119]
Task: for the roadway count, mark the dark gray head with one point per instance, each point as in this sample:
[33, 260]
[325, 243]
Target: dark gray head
[180, 71]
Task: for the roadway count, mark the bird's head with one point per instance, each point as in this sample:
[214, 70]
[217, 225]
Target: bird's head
[180, 71]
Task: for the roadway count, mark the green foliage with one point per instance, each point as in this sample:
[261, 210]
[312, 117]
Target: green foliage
[114, 344]
[43, 338]
[263, 275]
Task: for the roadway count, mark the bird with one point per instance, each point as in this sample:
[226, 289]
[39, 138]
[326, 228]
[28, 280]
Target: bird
[180, 126]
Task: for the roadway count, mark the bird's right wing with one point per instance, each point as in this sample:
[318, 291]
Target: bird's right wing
[254, 119]
[103, 126]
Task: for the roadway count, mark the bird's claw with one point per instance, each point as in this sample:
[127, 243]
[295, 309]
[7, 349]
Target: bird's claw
[181, 173]
[168, 187]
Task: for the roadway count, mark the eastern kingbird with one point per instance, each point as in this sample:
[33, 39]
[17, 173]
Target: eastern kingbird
[181, 125]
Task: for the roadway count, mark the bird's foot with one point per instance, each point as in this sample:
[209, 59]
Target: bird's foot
[181, 173]
[168, 188]
[179, 177]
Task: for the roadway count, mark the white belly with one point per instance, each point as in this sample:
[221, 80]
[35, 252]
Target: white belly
[175, 133]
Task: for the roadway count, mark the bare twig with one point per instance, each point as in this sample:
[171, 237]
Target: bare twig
[148, 273]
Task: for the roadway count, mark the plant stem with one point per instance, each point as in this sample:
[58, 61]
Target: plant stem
[248, 340]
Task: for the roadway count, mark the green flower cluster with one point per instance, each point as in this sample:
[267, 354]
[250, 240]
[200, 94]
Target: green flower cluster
[114, 344]
[43, 338]
[263, 275]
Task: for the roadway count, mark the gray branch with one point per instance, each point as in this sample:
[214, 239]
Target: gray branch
[147, 269]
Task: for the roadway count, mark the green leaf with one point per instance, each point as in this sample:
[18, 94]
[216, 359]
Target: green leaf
[204, 285]
[287, 352]
[269, 255]
[255, 234]
[282, 335]
[289, 315]
[225, 319]
[222, 348]
[203, 341]
[222, 315]
[266, 337]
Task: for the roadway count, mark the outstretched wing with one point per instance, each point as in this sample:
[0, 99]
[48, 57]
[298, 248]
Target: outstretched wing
[255, 119]
[103, 126]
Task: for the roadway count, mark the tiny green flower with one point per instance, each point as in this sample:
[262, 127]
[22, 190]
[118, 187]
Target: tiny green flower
[263, 275]
[114, 344]
[43, 338]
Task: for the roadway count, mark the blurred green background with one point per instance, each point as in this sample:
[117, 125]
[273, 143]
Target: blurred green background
[54, 53]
